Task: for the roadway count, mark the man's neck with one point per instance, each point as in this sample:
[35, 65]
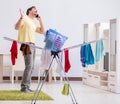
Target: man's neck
[31, 16]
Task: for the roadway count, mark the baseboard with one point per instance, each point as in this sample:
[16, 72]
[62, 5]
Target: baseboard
[36, 78]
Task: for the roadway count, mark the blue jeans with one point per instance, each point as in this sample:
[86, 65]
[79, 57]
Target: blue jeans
[29, 66]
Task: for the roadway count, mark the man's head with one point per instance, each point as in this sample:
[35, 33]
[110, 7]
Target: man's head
[31, 11]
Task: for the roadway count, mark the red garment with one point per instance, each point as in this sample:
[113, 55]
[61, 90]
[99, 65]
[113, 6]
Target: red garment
[14, 52]
[67, 62]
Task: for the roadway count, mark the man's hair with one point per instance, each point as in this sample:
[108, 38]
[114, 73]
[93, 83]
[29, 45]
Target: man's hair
[29, 9]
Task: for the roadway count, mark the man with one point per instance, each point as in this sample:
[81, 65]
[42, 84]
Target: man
[26, 29]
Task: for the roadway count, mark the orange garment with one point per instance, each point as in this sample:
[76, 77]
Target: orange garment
[14, 52]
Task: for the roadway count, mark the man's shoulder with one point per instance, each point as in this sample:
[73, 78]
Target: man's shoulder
[25, 17]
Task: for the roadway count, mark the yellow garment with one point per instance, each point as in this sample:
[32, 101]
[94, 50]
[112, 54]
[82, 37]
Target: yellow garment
[65, 90]
[27, 31]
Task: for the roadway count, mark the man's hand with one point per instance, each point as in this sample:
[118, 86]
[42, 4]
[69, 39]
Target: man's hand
[19, 24]
[41, 28]
[21, 13]
[38, 17]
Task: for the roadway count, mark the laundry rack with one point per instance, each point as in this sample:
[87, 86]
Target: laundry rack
[55, 56]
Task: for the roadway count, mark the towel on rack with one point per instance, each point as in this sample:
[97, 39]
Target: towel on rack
[65, 90]
[86, 55]
[67, 61]
[45, 59]
[89, 58]
[14, 52]
[82, 55]
[59, 68]
[99, 50]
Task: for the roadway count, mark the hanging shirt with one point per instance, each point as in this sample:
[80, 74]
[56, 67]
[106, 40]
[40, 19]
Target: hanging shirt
[14, 52]
[67, 61]
[99, 50]
[27, 31]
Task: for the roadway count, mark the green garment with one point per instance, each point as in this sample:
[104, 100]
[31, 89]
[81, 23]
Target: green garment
[65, 90]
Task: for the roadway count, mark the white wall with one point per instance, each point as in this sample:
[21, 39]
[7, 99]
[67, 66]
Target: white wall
[66, 16]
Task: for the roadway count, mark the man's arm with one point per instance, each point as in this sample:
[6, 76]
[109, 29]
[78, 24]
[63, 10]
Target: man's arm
[41, 28]
[19, 22]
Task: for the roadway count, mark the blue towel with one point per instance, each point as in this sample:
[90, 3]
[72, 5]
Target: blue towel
[99, 50]
[82, 55]
[89, 58]
[86, 55]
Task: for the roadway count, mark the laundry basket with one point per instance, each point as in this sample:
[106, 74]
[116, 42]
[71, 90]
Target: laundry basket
[54, 40]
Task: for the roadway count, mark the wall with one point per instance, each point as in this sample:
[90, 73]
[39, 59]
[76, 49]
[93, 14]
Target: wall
[66, 16]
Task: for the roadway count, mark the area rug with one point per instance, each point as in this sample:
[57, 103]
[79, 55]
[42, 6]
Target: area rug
[17, 95]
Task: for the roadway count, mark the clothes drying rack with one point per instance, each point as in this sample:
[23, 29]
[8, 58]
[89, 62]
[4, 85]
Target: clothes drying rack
[71, 47]
[55, 56]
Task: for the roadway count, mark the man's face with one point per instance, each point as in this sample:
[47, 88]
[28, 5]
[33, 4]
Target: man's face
[33, 12]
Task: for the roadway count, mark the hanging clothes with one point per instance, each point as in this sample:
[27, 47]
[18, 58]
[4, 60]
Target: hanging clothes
[14, 52]
[82, 55]
[67, 61]
[65, 90]
[89, 58]
[25, 49]
[86, 55]
[59, 68]
[99, 50]
[45, 59]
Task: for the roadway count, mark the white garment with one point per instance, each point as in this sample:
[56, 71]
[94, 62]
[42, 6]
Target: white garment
[59, 68]
[45, 59]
